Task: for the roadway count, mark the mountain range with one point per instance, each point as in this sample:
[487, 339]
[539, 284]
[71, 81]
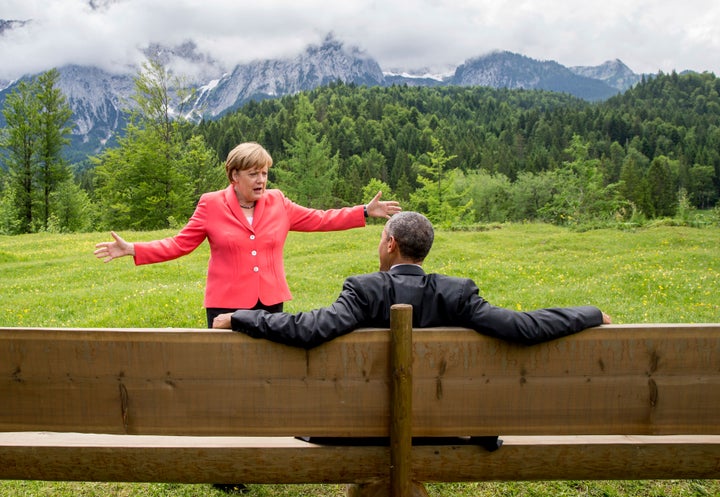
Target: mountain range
[98, 98]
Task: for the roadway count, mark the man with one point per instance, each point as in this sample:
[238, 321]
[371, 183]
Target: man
[437, 300]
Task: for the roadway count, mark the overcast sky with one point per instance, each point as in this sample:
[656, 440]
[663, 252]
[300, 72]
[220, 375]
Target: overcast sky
[649, 36]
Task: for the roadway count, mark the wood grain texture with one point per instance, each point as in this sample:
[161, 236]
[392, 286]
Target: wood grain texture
[88, 457]
[618, 379]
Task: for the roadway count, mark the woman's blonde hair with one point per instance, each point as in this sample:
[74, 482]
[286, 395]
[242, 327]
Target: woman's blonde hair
[249, 155]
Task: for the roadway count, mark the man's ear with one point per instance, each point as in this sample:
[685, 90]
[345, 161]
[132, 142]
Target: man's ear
[391, 245]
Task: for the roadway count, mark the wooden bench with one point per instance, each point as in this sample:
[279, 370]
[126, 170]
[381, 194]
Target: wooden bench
[180, 405]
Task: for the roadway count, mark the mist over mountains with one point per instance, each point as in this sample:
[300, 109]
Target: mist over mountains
[98, 98]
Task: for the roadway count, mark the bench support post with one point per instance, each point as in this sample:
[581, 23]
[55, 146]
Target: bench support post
[400, 483]
[401, 356]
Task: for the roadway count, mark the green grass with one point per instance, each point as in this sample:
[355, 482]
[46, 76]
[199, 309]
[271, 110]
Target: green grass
[655, 488]
[652, 275]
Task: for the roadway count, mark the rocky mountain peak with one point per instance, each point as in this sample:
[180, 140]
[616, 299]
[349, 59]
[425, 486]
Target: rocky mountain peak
[317, 65]
[614, 72]
[504, 69]
[98, 98]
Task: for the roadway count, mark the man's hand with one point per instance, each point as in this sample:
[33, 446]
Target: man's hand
[222, 321]
[606, 319]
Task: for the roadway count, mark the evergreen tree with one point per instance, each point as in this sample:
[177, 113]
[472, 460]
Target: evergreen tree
[52, 137]
[157, 174]
[72, 209]
[633, 186]
[201, 167]
[138, 186]
[9, 219]
[662, 187]
[20, 139]
[309, 173]
[438, 197]
[580, 194]
[36, 114]
[701, 186]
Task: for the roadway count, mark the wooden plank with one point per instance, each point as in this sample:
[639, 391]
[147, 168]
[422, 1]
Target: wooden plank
[87, 457]
[589, 457]
[139, 458]
[618, 379]
[195, 382]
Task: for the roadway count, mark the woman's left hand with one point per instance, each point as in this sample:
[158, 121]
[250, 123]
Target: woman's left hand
[385, 209]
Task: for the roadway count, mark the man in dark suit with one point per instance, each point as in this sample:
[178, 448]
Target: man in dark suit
[437, 300]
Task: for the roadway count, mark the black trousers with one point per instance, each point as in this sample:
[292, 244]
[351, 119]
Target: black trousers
[489, 443]
[213, 312]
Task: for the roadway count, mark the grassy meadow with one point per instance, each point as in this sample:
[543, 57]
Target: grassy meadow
[656, 274]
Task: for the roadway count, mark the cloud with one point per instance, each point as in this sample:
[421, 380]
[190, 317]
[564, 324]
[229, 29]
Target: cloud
[646, 34]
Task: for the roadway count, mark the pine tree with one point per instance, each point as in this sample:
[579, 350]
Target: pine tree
[662, 187]
[20, 141]
[309, 173]
[438, 197]
[52, 137]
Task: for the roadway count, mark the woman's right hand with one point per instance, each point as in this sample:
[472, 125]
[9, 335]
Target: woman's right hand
[108, 251]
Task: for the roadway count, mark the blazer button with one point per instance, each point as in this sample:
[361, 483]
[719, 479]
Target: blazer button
[256, 269]
[254, 252]
[252, 237]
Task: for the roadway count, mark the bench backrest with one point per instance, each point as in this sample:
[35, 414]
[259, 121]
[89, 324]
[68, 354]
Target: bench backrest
[620, 379]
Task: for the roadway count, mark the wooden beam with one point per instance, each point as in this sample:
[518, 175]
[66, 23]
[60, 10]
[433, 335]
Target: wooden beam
[620, 379]
[589, 457]
[88, 457]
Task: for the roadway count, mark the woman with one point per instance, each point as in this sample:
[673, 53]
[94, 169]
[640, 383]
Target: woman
[246, 226]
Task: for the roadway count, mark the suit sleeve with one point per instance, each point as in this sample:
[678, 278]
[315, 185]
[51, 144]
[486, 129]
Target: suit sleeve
[305, 329]
[525, 327]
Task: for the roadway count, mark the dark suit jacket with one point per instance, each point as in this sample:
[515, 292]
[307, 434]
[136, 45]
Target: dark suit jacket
[437, 300]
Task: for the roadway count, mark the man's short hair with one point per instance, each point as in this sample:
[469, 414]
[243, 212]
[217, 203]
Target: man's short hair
[413, 233]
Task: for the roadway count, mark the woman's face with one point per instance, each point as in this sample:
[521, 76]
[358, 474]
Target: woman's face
[250, 184]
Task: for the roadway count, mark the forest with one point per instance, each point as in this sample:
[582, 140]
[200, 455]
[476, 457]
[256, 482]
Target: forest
[464, 156]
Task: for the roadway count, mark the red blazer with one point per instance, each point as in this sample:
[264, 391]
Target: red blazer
[246, 261]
